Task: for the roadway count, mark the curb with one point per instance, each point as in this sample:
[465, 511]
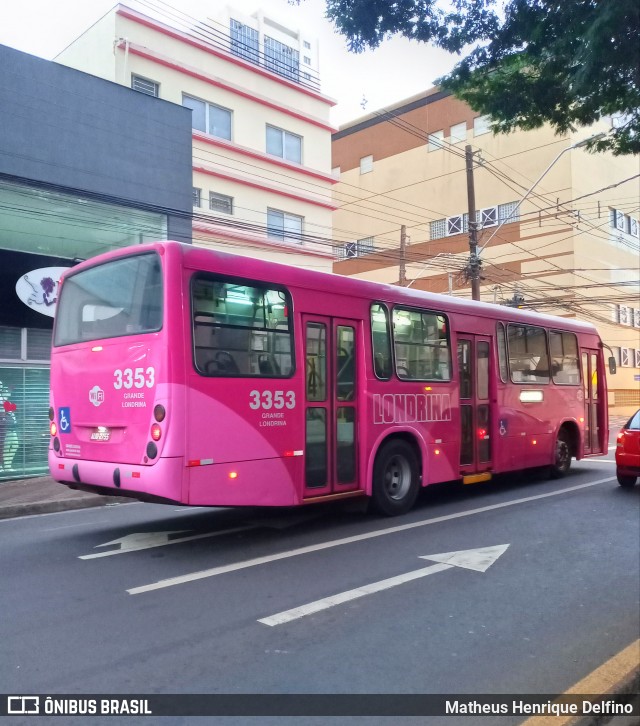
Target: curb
[618, 677]
[50, 507]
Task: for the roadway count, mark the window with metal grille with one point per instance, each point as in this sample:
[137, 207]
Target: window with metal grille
[244, 41]
[144, 85]
[281, 58]
[197, 197]
[220, 203]
[25, 344]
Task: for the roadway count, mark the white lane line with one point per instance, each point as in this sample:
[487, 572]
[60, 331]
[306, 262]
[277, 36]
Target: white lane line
[215, 571]
[286, 616]
[479, 559]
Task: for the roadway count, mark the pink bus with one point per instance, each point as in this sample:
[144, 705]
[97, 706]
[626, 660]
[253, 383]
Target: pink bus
[179, 374]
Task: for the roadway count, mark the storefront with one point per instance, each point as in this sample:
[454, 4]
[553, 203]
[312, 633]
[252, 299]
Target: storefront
[36, 221]
[86, 166]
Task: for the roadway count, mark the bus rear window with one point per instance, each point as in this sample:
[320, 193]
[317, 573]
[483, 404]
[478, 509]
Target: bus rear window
[121, 297]
[241, 329]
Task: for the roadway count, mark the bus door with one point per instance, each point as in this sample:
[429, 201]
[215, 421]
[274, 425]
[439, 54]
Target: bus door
[474, 370]
[593, 406]
[331, 405]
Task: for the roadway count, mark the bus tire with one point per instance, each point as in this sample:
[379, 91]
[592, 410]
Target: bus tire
[562, 455]
[395, 478]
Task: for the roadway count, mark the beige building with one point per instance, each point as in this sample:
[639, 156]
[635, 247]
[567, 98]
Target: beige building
[262, 182]
[558, 228]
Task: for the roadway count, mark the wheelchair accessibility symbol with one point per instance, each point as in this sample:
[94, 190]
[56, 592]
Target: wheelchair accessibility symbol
[64, 420]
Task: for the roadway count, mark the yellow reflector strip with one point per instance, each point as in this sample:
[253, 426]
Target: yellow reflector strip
[476, 478]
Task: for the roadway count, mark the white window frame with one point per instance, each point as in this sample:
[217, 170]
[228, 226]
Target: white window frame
[435, 141]
[208, 108]
[284, 150]
[481, 125]
[487, 217]
[457, 224]
[458, 132]
[366, 164]
[285, 231]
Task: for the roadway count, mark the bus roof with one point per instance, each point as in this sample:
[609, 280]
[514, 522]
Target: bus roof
[276, 272]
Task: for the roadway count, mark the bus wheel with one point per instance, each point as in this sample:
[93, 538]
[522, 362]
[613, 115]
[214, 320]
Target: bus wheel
[562, 461]
[395, 478]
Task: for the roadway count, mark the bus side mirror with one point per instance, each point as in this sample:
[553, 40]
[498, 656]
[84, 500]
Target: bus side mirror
[612, 365]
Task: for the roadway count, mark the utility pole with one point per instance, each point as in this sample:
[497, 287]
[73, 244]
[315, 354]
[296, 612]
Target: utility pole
[474, 260]
[403, 255]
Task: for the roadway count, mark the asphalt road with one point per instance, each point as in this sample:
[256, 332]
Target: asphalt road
[153, 599]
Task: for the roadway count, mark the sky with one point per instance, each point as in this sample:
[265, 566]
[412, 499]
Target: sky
[360, 83]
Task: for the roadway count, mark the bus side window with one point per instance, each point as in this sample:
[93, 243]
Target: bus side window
[564, 358]
[381, 341]
[528, 355]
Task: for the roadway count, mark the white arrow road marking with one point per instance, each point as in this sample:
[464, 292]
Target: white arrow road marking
[148, 540]
[224, 569]
[478, 559]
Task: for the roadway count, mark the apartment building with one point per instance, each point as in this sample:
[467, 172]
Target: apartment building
[557, 227]
[261, 134]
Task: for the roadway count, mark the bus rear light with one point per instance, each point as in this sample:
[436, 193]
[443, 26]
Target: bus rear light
[233, 475]
[534, 442]
[156, 432]
[159, 413]
[437, 452]
[483, 434]
[152, 450]
[56, 444]
[428, 388]
[60, 466]
[297, 452]
[52, 413]
[581, 419]
[96, 349]
[53, 428]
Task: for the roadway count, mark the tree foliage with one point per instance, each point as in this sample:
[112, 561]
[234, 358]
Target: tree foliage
[568, 63]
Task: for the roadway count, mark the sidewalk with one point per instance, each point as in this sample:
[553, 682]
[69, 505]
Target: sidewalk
[42, 495]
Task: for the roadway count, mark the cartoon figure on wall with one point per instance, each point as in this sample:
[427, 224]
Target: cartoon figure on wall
[8, 430]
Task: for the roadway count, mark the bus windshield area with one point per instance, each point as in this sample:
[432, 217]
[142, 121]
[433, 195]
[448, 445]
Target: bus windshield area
[117, 298]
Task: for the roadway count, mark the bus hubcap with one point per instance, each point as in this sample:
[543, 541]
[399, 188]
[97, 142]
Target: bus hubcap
[398, 477]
